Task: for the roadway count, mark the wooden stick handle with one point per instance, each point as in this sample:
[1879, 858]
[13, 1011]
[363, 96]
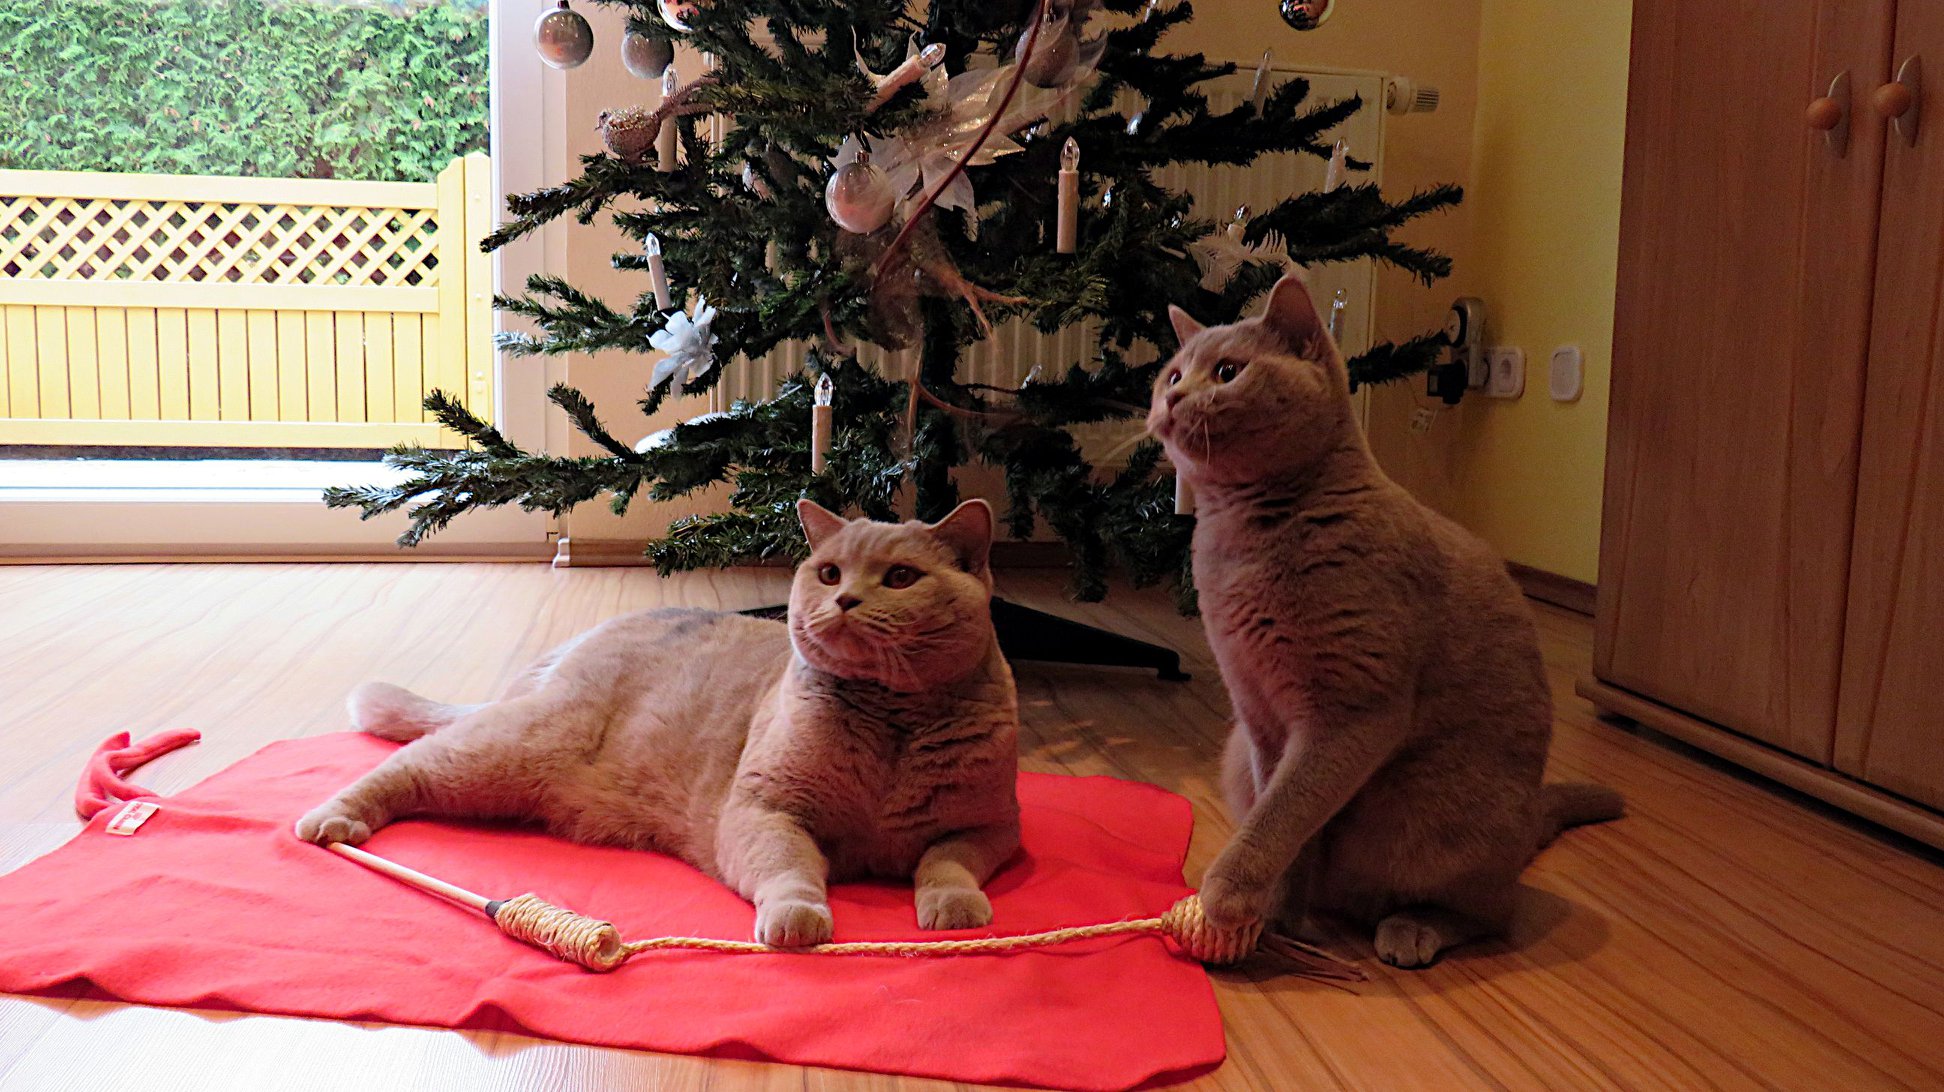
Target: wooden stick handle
[417, 879]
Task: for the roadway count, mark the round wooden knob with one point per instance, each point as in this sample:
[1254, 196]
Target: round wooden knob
[1893, 100]
[1825, 114]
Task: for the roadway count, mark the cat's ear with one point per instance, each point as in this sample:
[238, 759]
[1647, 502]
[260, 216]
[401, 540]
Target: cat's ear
[819, 523]
[967, 532]
[1292, 315]
[1185, 325]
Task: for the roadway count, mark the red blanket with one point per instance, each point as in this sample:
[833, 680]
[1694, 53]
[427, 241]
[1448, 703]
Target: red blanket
[213, 903]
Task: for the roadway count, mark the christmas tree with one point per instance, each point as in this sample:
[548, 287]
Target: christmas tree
[873, 173]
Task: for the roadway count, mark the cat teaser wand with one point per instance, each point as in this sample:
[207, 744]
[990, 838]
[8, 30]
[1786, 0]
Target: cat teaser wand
[597, 945]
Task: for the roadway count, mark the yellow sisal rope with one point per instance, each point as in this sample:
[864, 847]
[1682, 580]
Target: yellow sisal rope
[597, 945]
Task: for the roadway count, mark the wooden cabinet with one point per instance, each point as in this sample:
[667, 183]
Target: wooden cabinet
[1772, 555]
[1890, 724]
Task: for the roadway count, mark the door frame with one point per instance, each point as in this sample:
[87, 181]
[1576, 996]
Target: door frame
[182, 515]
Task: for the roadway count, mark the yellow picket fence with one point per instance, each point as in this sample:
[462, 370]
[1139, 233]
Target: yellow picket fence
[189, 311]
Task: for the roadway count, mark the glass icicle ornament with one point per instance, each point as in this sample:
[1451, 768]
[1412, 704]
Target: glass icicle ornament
[859, 197]
[645, 57]
[562, 37]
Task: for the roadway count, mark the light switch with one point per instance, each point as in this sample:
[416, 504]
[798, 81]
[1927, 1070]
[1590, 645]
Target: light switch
[1568, 373]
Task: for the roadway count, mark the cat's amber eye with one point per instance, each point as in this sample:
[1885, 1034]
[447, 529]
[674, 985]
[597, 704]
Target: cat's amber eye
[1173, 378]
[901, 576]
[830, 574]
[1227, 370]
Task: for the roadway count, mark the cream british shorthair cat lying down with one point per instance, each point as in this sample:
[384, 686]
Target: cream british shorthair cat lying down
[1391, 711]
[874, 735]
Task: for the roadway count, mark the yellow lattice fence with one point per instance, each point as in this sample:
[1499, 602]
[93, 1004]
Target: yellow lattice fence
[166, 310]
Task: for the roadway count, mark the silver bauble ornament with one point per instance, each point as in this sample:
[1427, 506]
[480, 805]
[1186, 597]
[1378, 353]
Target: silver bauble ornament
[1307, 14]
[562, 37]
[646, 57]
[859, 196]
[676, 13]
[1055, 54]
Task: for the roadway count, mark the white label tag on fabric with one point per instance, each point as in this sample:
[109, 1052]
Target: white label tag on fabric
[132, 816]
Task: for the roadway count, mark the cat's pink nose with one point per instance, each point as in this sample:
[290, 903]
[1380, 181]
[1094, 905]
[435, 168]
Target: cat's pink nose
[846, 602]
[1172, 398]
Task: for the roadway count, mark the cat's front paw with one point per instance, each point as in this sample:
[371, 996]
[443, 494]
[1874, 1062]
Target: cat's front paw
[953, 908]
[329, 823]
[1232, 904]
[792, 923]
[1408, 944]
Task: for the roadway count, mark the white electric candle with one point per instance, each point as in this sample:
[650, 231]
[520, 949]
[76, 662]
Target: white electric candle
[1339, 164]
[1069, 205]
[912, 70]
[1259, 91]
[657, 273]
[820, 412]
[665, 138]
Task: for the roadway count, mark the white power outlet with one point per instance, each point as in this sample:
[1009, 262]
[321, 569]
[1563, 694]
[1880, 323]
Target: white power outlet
[1506, 367]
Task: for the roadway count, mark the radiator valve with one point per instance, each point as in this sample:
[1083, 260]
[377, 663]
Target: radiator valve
[1403, 95]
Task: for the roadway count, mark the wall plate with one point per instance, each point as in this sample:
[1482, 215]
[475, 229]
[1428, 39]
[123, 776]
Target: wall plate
[1567, 375]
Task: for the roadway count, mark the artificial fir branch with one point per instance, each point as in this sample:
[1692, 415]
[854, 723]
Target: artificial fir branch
[788, 74]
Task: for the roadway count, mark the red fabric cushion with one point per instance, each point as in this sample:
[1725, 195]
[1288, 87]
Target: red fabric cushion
[214, 903]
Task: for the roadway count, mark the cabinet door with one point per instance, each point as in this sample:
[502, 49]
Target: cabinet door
[1742, 317]
[1891, 722]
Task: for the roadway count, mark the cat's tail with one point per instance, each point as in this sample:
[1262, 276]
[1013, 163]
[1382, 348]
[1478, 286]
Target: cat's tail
[1567, 804]
[395, 713]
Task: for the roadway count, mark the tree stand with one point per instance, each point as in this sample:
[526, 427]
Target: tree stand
[1028, 634]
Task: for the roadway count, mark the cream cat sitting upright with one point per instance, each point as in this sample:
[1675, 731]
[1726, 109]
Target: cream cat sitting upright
[1391, 711]
[874, 735]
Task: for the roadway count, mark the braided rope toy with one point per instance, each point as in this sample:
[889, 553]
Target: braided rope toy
[598, 946]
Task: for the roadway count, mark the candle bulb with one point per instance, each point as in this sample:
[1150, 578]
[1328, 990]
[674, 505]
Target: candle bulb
[912, 70]
[820, 425]
[1240, 223]
[1259, 91]
[665, 139]
[1337, 304]
[1339, 163]
[1069, 205]
[657, 273]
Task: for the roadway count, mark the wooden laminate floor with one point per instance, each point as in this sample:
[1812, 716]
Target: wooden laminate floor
[1723, 935]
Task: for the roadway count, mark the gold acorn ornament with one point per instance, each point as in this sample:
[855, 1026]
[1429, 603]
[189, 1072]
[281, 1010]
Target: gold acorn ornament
[562, 37]
[629, 132]
[645, 57]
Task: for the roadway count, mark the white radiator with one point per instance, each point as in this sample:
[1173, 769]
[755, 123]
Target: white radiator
[1005, 358]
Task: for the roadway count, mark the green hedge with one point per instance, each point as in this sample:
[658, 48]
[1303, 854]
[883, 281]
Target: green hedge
[284, 88]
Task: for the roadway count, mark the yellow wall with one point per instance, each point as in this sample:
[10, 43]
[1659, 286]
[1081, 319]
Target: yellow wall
[1431, 41]
[1544, 194]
